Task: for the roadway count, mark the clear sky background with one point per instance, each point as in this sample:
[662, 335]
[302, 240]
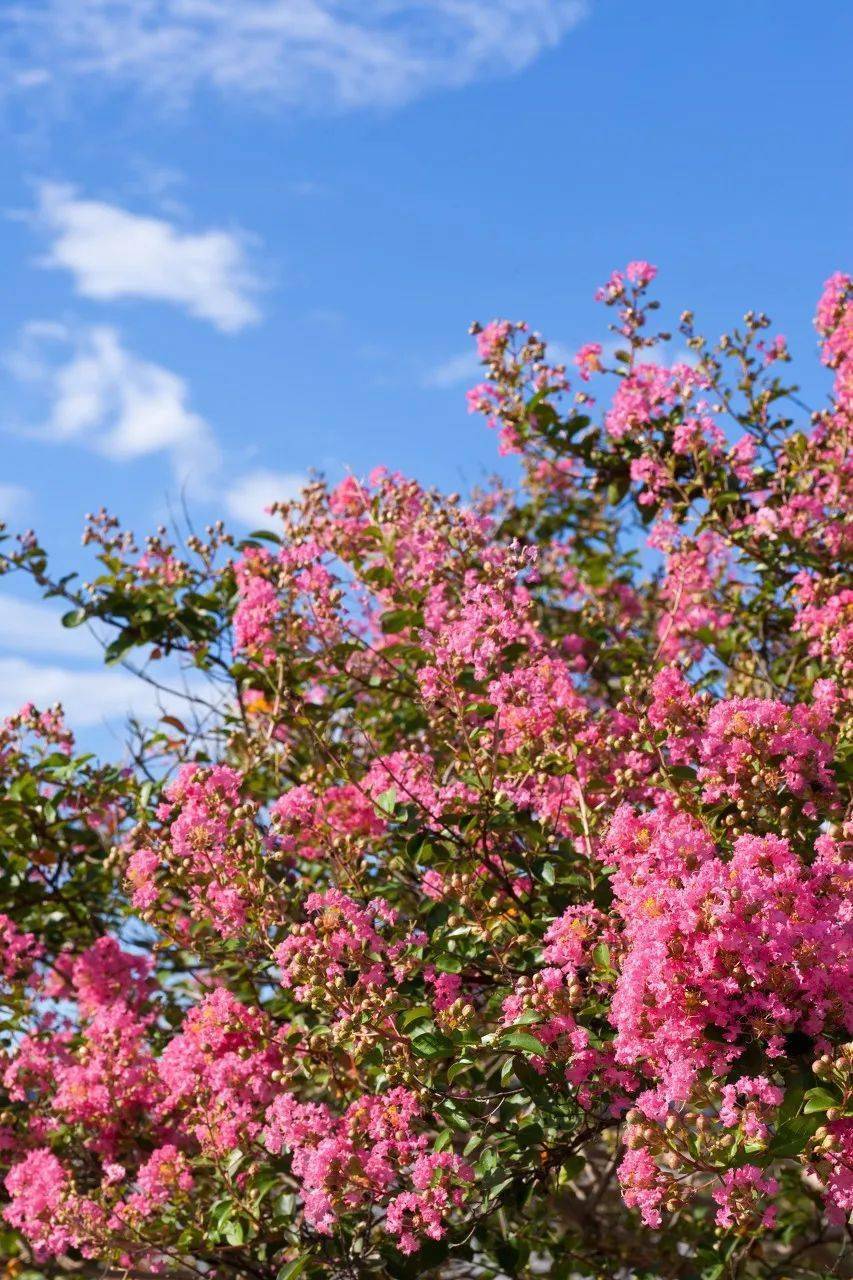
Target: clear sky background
[245, 238]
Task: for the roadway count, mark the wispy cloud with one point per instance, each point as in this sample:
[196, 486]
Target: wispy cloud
[34, 627]
[14, 501]
[454, 372]
[249, 497]
[88, 389]
[113, 253]
[339, 53]
[31, 630]
[88, 697]
[104, 397]
[43, 662]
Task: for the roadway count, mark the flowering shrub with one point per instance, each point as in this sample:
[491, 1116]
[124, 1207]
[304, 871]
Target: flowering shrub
[487, 910]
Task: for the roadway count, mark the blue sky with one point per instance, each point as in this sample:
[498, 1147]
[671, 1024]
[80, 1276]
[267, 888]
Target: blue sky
[245, 238]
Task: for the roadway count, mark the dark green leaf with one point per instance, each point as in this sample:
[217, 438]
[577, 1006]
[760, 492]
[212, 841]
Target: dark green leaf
[432, 1044]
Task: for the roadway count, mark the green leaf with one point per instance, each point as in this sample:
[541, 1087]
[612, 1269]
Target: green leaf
[507, 1254]
[432, 1044]
[220, 1212]
[399, 619]
[443, 1141]
[499, 1186]
[74, 618]
[530, 1135]
[235, 1233]
[527, 1018]
[524, 1041]
[791, 1104]
[455, 1117]
[116, 650]
[295, 1268]
[571, 1168]
[265, 1182]
[792, 1136]
[457, 1069]
[418, 1014]
[819, 1100]
[387, 801]
[266, 535]
[682, 772]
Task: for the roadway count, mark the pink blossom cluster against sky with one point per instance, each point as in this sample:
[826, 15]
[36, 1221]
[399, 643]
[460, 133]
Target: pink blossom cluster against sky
[224, 267]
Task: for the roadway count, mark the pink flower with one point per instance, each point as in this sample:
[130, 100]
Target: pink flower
[163, 1176]
[492, 338]
[640, 273]
[18, 950]
[588, 359]
[740, 1197]
[37, 1187]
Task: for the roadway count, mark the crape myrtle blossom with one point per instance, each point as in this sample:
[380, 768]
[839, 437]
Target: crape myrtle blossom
[374, 1152]
[18, 950]
[492, 910]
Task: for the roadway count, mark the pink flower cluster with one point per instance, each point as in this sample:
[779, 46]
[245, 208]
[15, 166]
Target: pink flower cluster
[37, 1186]
[755, 946]
[647, 394]
[757, 743]
[216, 1073]
[640, 274]
[206, 847]
[311, 823]
[164, 1176]
[741, 1197]
[523, 840]
[18, 950]
[368, 1155]
[834, 322]
[258, 605]
[342, 937]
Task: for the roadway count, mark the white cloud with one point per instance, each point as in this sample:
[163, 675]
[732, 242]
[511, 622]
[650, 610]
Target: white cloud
[88, 697]
[97, 394]
[454, 372]
[14, 500]
[112, 253]
[327, 53]
[111, 401]
[90, 693]
[91, 696]
[251, 494]
[31, 78]
[33, 627]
